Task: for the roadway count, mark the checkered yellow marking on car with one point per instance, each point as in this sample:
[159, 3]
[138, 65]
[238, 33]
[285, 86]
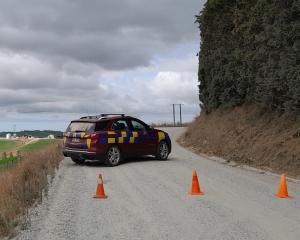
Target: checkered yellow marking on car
[88, 143]
[119, 137]
[123, 136]
[111, 140]
[134, 136]
[161, 136]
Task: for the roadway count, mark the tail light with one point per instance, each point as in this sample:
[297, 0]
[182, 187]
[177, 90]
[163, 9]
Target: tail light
[92, 136]
[87, 136]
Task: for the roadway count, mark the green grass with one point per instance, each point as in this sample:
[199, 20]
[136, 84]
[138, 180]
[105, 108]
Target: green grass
[39, 144]
[7, 145]
[7, 160]
[36, 145]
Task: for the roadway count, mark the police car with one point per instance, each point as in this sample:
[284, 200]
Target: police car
[113, 137]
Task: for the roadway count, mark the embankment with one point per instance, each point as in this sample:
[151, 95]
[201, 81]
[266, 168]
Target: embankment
[249, 135]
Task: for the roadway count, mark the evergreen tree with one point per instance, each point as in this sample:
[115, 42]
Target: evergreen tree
[250, 53]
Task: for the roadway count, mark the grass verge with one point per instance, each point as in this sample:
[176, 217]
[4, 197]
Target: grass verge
[7, 161]
[24, 184]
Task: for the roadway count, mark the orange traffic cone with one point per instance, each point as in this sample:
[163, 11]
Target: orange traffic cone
[282, 189]
[195, 189]
[100, 189]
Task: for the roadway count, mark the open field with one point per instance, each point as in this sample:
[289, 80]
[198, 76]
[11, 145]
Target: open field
[9, 145]
[38, 144]
[10, 148]
[24, 145]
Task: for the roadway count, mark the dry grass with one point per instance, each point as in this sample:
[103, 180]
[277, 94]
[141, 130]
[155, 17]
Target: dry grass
[249, 135]
[22, 185]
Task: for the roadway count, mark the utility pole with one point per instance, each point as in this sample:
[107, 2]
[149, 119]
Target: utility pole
[180, 112]
[174, 120]
[180, 115]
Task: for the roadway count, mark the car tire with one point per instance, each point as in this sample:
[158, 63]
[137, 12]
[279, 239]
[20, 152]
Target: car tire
[78, 160]
[113, 156]
[162, 151]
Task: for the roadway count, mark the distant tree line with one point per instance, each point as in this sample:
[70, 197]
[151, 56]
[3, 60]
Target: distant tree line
[250, 53]
[36, 133]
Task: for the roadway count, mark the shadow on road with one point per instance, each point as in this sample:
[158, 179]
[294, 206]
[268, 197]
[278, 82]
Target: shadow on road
[125, 161]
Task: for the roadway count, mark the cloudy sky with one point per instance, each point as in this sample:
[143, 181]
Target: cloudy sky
[62, 59]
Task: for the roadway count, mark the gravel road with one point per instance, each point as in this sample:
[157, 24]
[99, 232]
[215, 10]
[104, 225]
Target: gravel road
[149, 199]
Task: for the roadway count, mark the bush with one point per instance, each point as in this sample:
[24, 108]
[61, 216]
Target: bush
[250, 54]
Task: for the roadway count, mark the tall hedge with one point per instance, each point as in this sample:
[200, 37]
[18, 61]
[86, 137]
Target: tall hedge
[250, 53]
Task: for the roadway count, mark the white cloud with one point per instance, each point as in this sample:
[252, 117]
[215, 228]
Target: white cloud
[175, 87]
[66, 58]
[157, 94]
[36, 86]
[21, 71]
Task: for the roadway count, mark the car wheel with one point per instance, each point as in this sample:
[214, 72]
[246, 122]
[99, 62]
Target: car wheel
[78, 160]
[162, 151]
[113, 156]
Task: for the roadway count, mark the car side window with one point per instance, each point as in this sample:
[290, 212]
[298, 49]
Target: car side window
[137, 126]
[120, 125]
[100, 126]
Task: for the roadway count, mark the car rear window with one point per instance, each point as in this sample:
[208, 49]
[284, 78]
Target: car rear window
[81, 127]
[87, 126]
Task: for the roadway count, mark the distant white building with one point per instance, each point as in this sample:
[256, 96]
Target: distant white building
[8, 136]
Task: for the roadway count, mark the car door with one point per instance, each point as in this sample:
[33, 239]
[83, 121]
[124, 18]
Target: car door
[146, 137]
[121, 135]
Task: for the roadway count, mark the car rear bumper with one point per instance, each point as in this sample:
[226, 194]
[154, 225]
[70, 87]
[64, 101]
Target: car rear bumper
[82, 154]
